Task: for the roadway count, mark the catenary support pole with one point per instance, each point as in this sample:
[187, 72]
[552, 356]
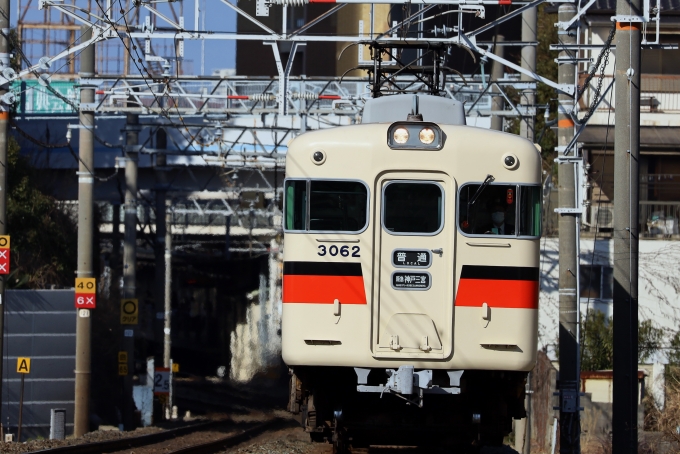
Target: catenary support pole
[569, 374]
[4, 119]
[529, 25]
[168, 287]
[626, 228]
[497, 69]
[130, 259]
[159, 280]
[85, 235]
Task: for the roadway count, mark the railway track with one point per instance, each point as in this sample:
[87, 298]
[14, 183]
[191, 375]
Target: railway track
[168, 441]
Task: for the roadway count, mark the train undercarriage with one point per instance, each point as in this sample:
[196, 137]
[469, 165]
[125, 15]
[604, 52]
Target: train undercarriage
[333, 405]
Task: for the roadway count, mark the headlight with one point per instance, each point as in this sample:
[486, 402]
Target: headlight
[415, 135]
[401, 135]
[426, 136]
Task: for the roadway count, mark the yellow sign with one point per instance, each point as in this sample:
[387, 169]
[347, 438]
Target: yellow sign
[122, 369]
[129, 311]
[175, 367]
[4, 241]
[23, 365]
[86, 285]
[122, 357]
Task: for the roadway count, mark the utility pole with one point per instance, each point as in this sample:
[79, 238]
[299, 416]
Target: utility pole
[569, 375]
[4, 120]
[130, 258]
[626, 225]
[497, 74]
[85, 230]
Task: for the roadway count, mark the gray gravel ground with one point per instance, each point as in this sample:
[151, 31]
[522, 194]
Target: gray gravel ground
[291, 440]
[97, 435]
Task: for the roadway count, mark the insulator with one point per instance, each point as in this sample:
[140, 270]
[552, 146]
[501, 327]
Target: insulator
[306, 96]
[289, 2]
[262, 97]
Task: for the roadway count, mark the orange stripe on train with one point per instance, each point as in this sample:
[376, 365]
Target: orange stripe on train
[498, 286]
[320, 289]
[498, 293]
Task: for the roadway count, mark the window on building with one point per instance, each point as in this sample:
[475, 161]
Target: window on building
[413, 207]
[597, 282]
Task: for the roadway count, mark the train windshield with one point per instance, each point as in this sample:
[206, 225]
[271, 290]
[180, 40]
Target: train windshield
[500, 209]
[326, 205]
[413, 208]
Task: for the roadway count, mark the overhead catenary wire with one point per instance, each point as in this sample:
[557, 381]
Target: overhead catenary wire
[16, 46]
[164, 112]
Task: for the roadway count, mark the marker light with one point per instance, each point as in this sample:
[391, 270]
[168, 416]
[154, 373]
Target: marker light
[426, 136]
[400, 135]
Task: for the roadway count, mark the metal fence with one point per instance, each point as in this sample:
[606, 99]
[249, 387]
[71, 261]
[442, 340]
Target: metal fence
[41, 325]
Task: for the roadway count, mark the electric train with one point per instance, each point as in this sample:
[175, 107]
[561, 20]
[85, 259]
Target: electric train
[410, 277]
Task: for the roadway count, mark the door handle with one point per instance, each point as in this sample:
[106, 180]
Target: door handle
[439, 251]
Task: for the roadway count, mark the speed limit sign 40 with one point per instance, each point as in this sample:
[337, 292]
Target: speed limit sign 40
[86, 293]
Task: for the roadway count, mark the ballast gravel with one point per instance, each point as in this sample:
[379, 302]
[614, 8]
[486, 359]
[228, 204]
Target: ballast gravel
[90, 437]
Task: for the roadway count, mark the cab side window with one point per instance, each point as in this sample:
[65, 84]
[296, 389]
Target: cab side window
[337, 206]
[326, 206]
[500, 210]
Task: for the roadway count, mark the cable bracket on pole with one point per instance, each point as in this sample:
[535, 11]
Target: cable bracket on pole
[628, 19]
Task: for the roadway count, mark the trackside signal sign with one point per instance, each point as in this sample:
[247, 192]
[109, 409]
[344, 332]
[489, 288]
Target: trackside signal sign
[4, 254]
[129, 311]
[23, 365]
[86, 293]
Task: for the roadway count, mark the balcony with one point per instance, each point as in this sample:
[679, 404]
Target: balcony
[659, 101]
[657, 219]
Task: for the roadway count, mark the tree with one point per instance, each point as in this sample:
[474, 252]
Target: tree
[650, 339]
[597, 341]
[44, 237]
[674, 350]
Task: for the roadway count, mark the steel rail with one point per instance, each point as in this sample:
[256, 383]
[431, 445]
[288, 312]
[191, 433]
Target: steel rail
[228, 441]
[132, 442]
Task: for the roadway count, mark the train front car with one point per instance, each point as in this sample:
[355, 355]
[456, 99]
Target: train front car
[410, 279]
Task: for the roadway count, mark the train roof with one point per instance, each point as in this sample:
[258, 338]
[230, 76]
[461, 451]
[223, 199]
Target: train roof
[435, 109]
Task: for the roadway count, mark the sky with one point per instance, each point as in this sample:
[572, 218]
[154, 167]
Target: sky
[218, 18]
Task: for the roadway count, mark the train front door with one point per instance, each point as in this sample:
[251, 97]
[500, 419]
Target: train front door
[413, 303]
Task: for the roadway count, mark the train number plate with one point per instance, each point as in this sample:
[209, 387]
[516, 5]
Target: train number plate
[412, 258]
[411, 281]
